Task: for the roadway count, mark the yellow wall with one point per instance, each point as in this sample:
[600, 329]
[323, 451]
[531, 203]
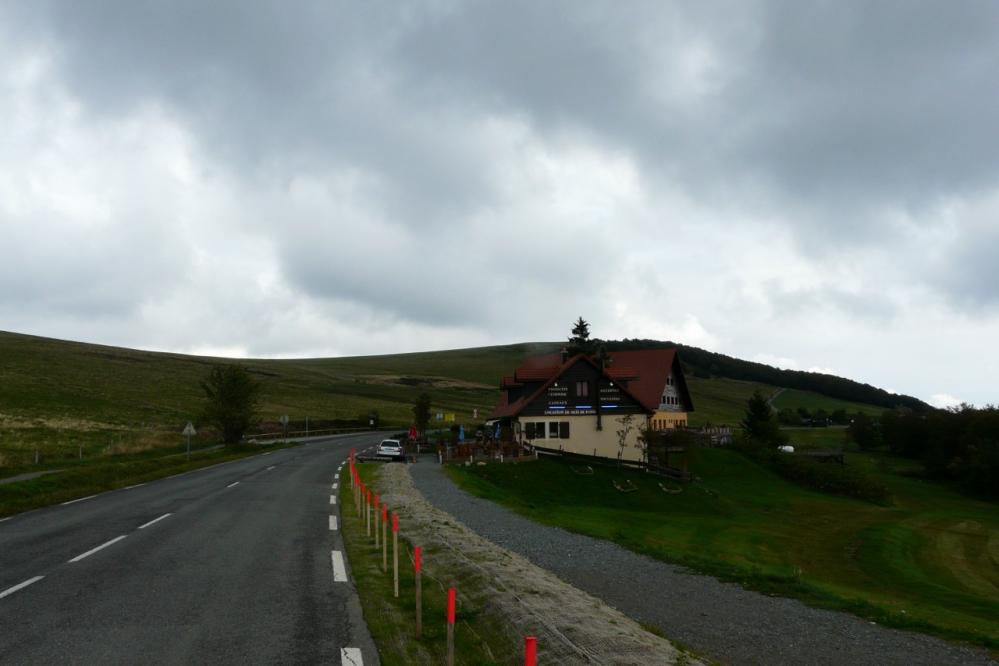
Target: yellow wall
[665, 420]
[584, 437]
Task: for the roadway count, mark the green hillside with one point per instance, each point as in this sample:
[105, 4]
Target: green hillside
[58, 396]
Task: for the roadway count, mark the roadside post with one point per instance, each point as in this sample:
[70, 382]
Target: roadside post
[376, 520]
[384, 538]
[188, 431]
[530, 651]
[450, 626]
[284, 424]
[395, 552]
[367, 513]
[417, 567]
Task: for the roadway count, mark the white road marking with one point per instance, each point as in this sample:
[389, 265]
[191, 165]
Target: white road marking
[332, 523]
[5, 519]
[165, 515]
[335, 485]
[332, 499]
[79, 500]
[351, 657]
[269, 468]
[20, 586]
[234, 483]
[337, 475]
[339, 570]
[135, 486]
[267, 454]
[100, 547]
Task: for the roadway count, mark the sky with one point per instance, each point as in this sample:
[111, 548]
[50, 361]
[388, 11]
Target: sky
[813, 185]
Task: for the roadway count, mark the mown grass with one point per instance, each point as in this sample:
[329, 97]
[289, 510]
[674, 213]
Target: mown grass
[929, 562]
[478, 637]
[794, 398]
[83, 479]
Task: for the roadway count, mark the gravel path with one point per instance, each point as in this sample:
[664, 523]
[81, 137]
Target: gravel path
[719, 620]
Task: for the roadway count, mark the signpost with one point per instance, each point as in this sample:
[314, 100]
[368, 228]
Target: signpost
[284, 424]
[188, 431]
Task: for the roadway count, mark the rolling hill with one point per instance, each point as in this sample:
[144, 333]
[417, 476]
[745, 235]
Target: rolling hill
[57, 396]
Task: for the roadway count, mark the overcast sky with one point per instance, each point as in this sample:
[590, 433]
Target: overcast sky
[809, 184]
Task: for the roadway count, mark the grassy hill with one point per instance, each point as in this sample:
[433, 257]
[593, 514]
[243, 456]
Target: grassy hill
[67, 398]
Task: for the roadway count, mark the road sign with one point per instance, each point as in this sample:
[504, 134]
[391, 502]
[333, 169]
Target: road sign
[475, 413]
[284, 419]
[189, 429]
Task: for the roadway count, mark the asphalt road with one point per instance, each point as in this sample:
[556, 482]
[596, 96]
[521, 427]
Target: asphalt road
[231, 564]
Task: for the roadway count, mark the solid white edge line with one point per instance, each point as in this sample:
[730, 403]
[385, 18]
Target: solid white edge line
[20, 586]
[351, 657]
[5, 519]
[267, 454]
[335, 485]
[79, 500]
[339, 570]
[332, 523]
[234, 483]
[135, 486]
[100, 547]
[156, 520]
[269, 468]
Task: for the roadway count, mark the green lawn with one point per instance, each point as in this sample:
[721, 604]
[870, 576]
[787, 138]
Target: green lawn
[930, 562]
[720, 401]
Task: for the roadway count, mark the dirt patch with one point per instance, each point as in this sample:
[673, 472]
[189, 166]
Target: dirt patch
[572, 627]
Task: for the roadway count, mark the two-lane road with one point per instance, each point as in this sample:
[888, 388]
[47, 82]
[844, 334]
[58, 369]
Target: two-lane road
[228, 564]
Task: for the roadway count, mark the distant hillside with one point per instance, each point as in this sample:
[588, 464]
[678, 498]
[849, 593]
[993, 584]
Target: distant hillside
[705, 364]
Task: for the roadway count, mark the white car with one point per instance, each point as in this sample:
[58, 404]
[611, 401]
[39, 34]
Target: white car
[391, 448]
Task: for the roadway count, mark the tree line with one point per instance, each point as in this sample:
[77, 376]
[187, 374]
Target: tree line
[959, 444]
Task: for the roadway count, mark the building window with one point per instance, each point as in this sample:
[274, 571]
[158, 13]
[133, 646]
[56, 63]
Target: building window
[529, 430]
[539, 430]
[563, 429]
[553, 429]
[582, 389]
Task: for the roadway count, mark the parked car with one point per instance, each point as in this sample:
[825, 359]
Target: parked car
[391, 448]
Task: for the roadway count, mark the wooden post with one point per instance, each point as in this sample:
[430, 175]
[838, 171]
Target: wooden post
[377, 515]
[395, 552]
[417, 567]
[530, 651]
[384, 538]
[450, 626]
[367, 512]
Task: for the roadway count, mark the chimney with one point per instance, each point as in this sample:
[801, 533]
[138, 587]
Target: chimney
[565, 354]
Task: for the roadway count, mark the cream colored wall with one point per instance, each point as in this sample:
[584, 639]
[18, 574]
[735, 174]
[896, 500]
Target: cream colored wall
[586, 439]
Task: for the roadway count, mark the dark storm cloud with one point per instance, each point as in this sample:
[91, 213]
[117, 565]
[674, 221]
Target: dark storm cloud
[818, 115]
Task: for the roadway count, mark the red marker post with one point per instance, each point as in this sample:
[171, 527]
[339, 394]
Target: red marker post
[367, 511]
[395, 552]
[451, 602]
[530, 651]
[417, 568]
[376, 520]
[384, 538]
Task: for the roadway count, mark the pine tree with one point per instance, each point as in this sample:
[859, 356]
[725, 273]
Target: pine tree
[579, 342]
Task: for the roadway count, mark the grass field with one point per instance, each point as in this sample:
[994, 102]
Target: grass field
[930, 562]
[793, 399]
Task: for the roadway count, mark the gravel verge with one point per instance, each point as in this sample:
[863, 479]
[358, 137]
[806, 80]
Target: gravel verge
[719, 620]
[572, 627]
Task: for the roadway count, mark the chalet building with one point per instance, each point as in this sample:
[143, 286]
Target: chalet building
[579, 404]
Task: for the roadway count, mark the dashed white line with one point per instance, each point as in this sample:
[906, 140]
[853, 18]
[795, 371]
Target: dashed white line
[335, 486]
[339, 570]
[332, 499]
[234, 483]
[337, 475]
[100, 547]
[267, 454]
[332, 523]
[269, 468]
[155, 520]
[20, 586]
[135, 486]
[351, 657]
[79, 500]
